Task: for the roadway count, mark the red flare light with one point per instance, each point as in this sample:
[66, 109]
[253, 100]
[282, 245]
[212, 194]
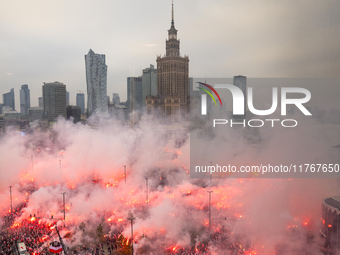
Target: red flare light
[16, 225]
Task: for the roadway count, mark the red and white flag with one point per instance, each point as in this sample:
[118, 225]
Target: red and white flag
[56, 247]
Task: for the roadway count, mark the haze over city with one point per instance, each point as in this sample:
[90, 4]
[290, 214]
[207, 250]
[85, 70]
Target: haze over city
[46, 41]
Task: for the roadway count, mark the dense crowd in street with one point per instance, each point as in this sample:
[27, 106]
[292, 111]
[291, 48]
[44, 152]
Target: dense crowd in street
[28, 231]
[36, 237]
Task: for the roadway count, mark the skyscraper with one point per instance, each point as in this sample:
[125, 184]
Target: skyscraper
[54, 100]
[241, 82]
[40, 102]
[149, 82]
[67, 98]
[8, 99]
[134, 93]
[96, 79]
[115, 99]
[80, 102]
[173, 77]
[25, 101]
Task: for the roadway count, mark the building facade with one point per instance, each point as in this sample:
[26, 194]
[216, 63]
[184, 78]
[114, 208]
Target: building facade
[173, 78]
[80, 102]
[40, 102]
[67, 98]
[25, 101]
[149, 82]
[331, 223]
[241, 82]
[134, 93]
[115, 99]
[8, 99]
[74, 112]
[54, 100]
[96, 79]
[35, 113]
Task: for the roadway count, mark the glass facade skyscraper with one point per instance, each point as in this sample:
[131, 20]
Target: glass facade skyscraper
[96, 79]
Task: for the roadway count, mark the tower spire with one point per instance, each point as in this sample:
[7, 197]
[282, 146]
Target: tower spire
[172, 15]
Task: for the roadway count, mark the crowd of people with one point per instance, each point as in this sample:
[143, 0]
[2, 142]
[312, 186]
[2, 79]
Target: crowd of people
[36, 236]
[28, 231]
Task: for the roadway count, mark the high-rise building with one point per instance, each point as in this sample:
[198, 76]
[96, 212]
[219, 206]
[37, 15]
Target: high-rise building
[54, 100]
[241, 82]
[115, 99]
[96, 79]
[191, 86]
[173, 77]
[67, 98]
[40, 102]
[25, 101]
[134, 93]
[149, 82]
[8, 99]
[74, 112]
[80, 102]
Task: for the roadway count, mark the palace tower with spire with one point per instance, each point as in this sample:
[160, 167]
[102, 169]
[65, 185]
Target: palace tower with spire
[172, 79]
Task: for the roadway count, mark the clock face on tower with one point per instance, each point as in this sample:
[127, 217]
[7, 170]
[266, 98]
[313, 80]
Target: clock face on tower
[172, 36]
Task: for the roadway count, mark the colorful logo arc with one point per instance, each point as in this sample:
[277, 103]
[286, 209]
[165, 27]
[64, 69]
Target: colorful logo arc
[207, 91]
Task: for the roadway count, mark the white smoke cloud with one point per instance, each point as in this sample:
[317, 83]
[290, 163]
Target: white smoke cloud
[254, 213]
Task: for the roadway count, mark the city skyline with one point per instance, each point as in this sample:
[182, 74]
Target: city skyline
[222, 40]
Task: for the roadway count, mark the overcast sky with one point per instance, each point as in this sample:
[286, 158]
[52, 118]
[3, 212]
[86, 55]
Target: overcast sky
[46, 40]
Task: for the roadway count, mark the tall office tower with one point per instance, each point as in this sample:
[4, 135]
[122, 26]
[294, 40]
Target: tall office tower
[96, 79]
[25, 101]
[80, 102]
[134, 93]
[241, 82]
[149, 82]
[40, 102]
[115, 99]
[8, 99]
[54, 100]
[173, 77]
[67, 98]
[191, 86]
